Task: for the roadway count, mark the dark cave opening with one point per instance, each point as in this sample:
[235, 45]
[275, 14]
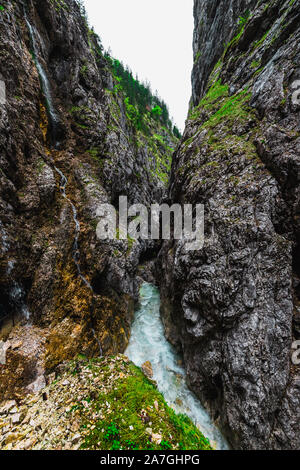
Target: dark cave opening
[13, 301]
[99, 283]
[150, 253]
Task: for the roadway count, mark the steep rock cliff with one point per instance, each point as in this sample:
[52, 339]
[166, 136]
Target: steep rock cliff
[85, 132]
[233, 307]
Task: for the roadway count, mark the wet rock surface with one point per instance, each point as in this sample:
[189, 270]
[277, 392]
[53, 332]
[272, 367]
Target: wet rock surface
[232, 306]
[101, 155]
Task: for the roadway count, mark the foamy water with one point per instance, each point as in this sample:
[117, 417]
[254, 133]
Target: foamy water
[148, 343]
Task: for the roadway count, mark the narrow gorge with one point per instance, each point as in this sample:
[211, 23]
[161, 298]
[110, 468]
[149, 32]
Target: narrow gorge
[78, 131]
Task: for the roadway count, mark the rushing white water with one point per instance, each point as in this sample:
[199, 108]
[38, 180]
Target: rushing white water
[148, 343]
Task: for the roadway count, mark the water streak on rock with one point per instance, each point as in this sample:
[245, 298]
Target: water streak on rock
[44, 80]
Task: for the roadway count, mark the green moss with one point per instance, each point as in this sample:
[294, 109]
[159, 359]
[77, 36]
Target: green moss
[262, 40]
[212, 97]
[59, 5]
[83, 70]
[40, 166]
[220, 105]
[214, 76]
[81, 126]
[198, 55]
[214, 93]
[123, 428]
[233, 108]
[255, 64]
[94, 152]
[243, 20]
[130, 243]
[257, 72]
[283, 102]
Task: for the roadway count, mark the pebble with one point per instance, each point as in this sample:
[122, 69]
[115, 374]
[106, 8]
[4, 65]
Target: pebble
[75, 439]
[7, 406]
[16, 418]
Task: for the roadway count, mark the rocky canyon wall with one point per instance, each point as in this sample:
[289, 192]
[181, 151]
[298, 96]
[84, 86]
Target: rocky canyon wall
[233, 307]
[102, 156]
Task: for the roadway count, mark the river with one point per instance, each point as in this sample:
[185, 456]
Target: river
[148, 343]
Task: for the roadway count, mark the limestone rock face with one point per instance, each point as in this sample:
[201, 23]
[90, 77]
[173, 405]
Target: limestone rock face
[232, 307]
[215, 24]
[94, 144]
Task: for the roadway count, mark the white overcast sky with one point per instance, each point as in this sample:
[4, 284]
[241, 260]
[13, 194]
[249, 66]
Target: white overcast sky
[154, 38]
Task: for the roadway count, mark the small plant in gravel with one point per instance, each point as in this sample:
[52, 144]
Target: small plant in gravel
[112, 432]
[165, 445]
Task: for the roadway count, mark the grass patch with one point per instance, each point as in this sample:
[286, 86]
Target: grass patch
[233, 108]
[216, 92]
[123, 428]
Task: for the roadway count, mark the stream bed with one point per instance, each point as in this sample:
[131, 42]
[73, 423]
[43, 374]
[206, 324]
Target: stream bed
[148, 343]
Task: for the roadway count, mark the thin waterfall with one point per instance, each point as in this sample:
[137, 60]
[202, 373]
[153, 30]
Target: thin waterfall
[54, 119]
[76, 252]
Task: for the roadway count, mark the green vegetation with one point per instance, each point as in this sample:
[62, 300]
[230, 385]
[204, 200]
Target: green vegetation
[214, 93]
[83, 70]
[211, 99]
[2, 8]
[83, 116]
[94, 152]
[139, 418]
[233, 108]
[138, 96]
[176, 132]
[146, 112]
[258, 43]
[219, 104]
[40, 166]
[198, 55]
[146, 116]
[59, 5]
[242, 22]
[220, 114]
[156, 111]
[255, 64]
[243, 19]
